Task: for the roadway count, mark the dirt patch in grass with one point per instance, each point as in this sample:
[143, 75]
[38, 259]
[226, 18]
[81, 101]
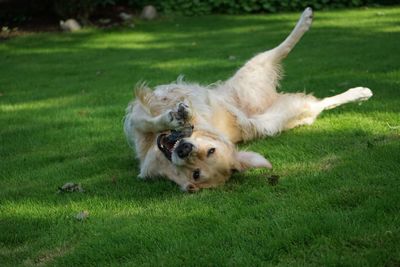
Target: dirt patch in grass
[48, 256]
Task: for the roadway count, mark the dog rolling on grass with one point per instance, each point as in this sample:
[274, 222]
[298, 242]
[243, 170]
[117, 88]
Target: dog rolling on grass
[187, 132]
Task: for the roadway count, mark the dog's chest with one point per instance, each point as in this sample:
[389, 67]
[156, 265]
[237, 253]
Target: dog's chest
[225, 123]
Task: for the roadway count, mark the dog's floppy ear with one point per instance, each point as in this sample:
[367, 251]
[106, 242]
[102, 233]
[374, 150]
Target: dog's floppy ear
[247, 160]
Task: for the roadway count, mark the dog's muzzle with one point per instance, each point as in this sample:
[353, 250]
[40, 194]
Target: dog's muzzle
[168, 143]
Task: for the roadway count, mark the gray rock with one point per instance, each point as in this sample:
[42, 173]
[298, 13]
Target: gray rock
[70, 25]
[125, 16]
[70, 187]
[104, 21]
[149, 13]
[5, 29]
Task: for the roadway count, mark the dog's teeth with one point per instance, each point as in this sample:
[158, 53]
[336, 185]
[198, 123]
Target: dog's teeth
[175, 145]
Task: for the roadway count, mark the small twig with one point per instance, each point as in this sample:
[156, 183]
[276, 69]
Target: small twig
[393, 127]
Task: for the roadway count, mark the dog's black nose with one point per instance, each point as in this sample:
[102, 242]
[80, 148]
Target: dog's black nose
[184, 149]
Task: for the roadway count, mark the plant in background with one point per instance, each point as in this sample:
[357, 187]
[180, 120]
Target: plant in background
[19, 11]
[80, 9]
[197, 7]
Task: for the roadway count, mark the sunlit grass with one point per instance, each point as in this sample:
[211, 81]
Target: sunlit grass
[62, 99]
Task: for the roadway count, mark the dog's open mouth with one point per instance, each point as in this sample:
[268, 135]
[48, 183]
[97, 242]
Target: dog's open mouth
[168, 142]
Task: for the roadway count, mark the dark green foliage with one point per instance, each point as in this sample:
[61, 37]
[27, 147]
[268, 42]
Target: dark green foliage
[20, 10]
[188, 7]
[81, 9]
[201, 7]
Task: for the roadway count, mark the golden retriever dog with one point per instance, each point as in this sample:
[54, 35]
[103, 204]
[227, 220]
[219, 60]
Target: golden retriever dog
[187, 132]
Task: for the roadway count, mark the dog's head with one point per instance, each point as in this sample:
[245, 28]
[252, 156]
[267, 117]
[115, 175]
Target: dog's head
[206, 159]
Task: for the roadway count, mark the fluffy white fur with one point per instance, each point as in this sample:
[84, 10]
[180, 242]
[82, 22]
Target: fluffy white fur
[244, 107]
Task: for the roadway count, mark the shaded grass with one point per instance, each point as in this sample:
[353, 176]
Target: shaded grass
[61, 105]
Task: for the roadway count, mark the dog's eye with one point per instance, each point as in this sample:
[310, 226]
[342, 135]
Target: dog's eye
[196, 174]
[210, 151]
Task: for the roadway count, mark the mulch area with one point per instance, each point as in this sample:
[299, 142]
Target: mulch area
[34, 25]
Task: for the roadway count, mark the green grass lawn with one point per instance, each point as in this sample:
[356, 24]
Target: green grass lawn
[62, 99]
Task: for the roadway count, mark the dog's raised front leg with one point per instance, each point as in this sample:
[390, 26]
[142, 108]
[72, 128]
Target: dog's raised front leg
[139, 119]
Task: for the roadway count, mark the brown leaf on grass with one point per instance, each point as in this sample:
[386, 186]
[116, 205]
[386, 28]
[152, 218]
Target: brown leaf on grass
[46, 257]
[83, 113]
[273, 179]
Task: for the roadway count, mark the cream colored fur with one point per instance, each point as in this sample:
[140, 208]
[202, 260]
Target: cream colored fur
[244, 107]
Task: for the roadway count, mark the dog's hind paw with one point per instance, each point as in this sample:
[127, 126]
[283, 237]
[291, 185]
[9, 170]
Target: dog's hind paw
[360, 93]
[307, 17]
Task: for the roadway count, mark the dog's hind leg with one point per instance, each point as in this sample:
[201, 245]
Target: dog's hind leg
[288, 111]
[292, 110]
[351, 95]
[253, 87]
[302, 26]
[313, 109]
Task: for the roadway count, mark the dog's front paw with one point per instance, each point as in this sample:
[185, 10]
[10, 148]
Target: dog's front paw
[183, 111]
[180, 115]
